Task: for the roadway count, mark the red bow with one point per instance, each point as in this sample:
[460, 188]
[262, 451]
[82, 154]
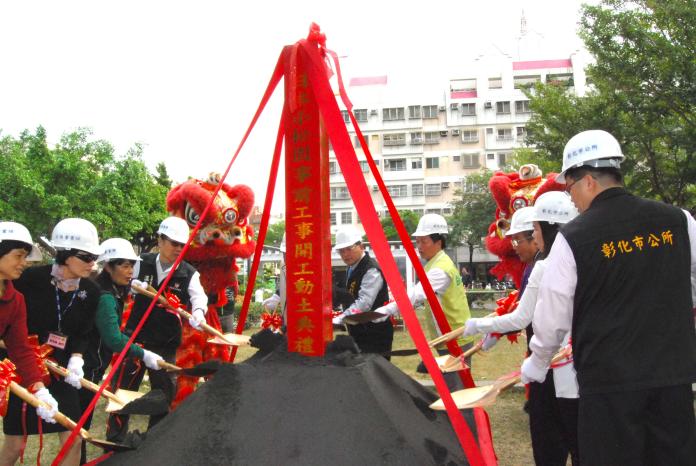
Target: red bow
[173, 300]
[41, 353]
[7, 375]
[505, 306]
[271, 320]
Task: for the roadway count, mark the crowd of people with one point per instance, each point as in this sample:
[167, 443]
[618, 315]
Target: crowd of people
[607, 273]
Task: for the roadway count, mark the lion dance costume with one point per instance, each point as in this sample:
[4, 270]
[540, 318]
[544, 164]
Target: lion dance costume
[224, 236]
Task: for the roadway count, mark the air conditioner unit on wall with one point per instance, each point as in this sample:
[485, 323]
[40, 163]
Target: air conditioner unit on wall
[374, 112]
[443, 133]
[454, 106]
[488, 104]
[442, 108]
[375, 188]
[455, 132]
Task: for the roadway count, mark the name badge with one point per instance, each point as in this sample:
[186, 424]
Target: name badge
[57, 340]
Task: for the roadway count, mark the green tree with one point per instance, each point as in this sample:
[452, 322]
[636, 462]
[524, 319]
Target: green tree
[473, 210]
[642, 90]
[408, 217]
[79, 177]
[274, 234]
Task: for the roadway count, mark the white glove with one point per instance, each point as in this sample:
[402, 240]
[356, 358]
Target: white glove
[150, 359]
[46, 412]
[75, 372]
[489, 342]
[531, 372]
[139, 284]
[197, 318]
[338, 320]
[471, 327]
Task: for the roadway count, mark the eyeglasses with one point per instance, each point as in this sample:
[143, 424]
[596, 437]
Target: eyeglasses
[174, 243]
[517, 242]
[570, 186]
[86, 257]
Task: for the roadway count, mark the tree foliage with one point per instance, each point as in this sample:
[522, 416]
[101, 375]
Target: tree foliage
[408, 217]
[472, 213]
[83, 178]
[642, 90]
[274, 234]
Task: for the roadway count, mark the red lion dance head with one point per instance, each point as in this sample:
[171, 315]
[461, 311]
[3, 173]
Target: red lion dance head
[513, 191]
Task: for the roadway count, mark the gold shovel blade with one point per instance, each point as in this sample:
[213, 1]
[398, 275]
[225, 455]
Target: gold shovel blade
[465, 398]
[126, 396]
[449, 363]
[231, 339]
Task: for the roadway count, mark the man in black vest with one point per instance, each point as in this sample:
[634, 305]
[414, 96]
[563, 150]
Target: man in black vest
[621, 276]
[366, 284]
[161, 332]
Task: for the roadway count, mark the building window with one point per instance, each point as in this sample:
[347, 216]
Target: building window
[414, 112]
[434, 189]
[417, 138]
[356, 141]
[430, 111]
[339, 192]
[346, 118]
[398, 190]
[447, 211]
[432, 162]
[395, 165]
[392, 114]
[333, 168]
[565, 79]
[398, 139]
[332, 218]
[470, 136]
[495, 83]
[417, 164]
[432, 137]
[502, 108]
[504, 134]
[470, 160]
[456, 158]
[360, 114]
[502, 159]
[490, 156]
[522, 106]
[346, 218]
[418, 212]
[489, 130]
[364, 166]
[521, 133]
[433, 211]
[417, 189]
[525, 82]
[468, 109]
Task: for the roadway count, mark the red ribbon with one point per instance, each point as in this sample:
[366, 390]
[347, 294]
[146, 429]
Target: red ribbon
[41, 353]
[7, 375]
[271, 320]
[505, 306]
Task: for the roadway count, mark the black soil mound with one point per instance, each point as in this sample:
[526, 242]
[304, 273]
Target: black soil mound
[281, 408]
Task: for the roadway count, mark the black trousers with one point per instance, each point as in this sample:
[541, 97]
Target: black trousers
[552, 425]
[638, 427]
[373, 337]
[129, 377]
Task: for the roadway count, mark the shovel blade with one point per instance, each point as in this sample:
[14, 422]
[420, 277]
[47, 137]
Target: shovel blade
[231, 339]
[464, 399]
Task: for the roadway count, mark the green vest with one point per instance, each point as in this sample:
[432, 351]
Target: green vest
[453, 301]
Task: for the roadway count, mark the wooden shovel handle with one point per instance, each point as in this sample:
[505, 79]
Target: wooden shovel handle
[60, 418]
[91, 386]
[168, 366]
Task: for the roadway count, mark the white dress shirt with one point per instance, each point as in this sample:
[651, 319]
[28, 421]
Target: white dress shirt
[197, 296]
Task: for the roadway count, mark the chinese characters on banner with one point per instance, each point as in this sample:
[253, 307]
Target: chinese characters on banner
[308, 255]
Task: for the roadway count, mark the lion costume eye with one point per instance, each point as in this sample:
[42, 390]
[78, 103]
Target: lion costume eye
[230, 215]
[192, 216]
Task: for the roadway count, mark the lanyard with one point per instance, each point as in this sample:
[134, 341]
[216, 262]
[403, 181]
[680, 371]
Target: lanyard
[62, 312]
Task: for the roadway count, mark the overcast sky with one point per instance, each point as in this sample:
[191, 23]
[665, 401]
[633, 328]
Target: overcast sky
[184, 78]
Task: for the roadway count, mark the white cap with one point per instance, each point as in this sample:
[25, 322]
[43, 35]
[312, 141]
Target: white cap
[117, 248]
[347, 236]
[76, 233]
[430, 224]
[174, 228]
[521, 221]
[554, 207]
[13, 231]
[594, 148]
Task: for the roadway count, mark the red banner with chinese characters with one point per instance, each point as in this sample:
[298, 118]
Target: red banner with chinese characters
[308, 256]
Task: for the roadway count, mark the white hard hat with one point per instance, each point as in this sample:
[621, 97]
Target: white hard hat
[283, 243]
[430, 224]
[594, 148]
[554, 207]
[13, 231]
[117, 248]
[174, 228]
[76, 233]
[521, 221]
[347, 236]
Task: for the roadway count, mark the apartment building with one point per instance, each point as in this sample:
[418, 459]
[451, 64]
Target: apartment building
[426, 141]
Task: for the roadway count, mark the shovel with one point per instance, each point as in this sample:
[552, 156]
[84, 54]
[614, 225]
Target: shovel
[219, 338]
[483, 396]
[116, 400]
[65, 421]
[363, 317]
[201, 370]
